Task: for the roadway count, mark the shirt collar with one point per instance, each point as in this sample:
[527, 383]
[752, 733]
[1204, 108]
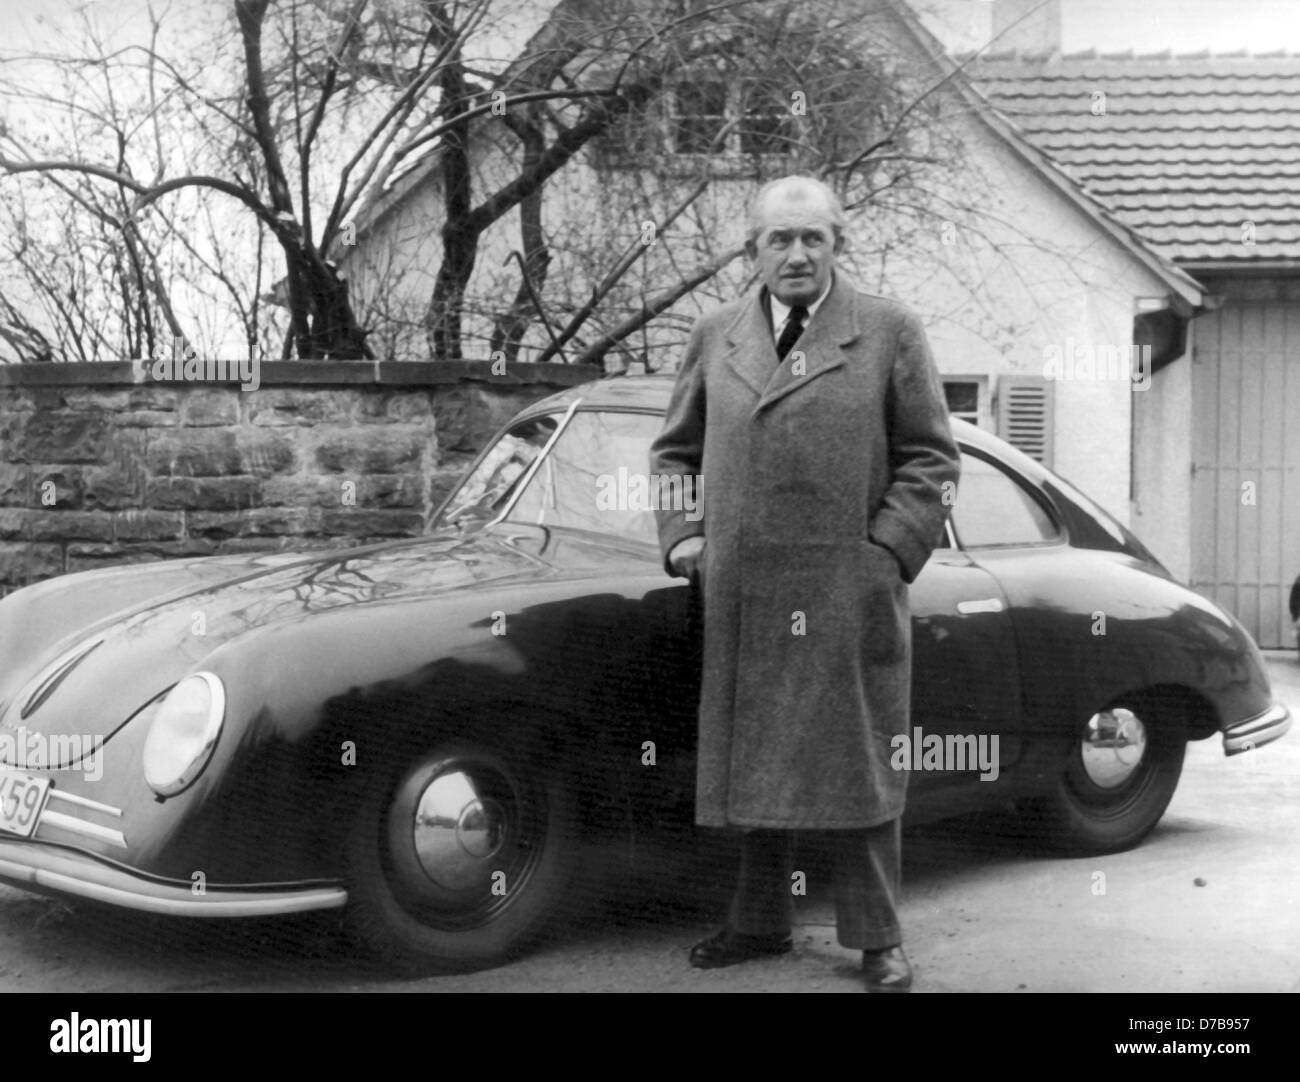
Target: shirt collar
[781, 312]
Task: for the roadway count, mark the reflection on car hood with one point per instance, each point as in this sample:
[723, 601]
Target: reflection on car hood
[92, 682]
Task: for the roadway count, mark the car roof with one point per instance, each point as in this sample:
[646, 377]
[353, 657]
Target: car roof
[614, 392]
[651, 394]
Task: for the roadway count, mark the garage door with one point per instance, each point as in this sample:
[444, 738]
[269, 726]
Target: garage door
[1246, 462]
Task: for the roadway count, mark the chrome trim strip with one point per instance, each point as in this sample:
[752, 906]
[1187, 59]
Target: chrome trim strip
[53, 675]
[93, 805]
[73, 825]
[986, 604]
[1257, 731]
[33, 868]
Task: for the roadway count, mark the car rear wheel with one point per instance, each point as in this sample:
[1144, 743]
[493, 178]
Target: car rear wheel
[461, 858]
[1119, 777]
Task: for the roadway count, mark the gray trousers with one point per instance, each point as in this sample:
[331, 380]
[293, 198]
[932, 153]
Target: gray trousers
[867, 873]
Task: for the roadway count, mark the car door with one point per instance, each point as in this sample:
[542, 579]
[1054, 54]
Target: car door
[968, 654]
[965, 679]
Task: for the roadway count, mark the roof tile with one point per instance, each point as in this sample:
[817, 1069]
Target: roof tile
[1188, 148]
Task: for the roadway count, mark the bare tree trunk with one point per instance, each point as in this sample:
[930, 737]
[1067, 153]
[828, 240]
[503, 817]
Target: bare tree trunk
[464, 226]
[322, 321]
[511, 325]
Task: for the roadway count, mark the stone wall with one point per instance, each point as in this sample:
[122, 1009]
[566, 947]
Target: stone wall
[101, 464]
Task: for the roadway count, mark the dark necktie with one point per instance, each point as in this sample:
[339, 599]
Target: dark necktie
[793, 329]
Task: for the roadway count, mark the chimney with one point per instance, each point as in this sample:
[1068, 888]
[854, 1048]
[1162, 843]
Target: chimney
[1029, 26]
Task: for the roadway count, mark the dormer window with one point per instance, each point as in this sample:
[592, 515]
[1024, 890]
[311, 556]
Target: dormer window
[712, 115]
[700, 112]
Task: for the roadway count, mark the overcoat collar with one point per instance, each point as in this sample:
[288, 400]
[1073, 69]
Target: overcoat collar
[752, 351]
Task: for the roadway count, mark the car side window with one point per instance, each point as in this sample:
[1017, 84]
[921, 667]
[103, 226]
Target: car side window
[595, 478]
[992, 508]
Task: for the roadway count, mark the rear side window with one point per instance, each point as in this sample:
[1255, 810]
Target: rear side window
[993, 508]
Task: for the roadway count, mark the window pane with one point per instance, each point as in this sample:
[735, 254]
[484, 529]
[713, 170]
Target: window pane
[596, 478]
[992, 509]
[767, 128]
[963, 397]
[701, 113]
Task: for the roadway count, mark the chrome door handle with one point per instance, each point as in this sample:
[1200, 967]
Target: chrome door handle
[986, 604]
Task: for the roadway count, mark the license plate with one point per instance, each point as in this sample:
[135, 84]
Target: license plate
[22, 799]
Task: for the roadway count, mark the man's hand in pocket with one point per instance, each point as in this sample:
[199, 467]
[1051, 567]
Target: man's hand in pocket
[686, 557]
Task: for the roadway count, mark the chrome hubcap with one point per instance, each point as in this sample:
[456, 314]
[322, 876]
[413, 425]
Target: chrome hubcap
[457, 828]
[461, 838]
[1113, 747]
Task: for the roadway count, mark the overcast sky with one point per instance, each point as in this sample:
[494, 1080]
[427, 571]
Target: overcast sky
[1141, 25]
[1181, 25]
[1146, 25]
[39, 24]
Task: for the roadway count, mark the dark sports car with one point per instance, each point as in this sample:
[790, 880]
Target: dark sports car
[425, 732]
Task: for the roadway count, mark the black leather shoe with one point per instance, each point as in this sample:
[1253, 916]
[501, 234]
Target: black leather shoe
[887, 970]
[727, 947]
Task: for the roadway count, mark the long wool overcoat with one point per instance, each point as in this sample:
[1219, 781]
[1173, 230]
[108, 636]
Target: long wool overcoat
[826, 481]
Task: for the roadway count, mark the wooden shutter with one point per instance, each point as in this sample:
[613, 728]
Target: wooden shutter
[1025, 415]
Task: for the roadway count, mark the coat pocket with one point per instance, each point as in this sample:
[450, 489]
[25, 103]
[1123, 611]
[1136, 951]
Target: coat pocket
[886, 618]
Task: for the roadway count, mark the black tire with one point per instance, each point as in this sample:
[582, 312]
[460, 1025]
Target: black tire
[491, 873]
[1082, 816]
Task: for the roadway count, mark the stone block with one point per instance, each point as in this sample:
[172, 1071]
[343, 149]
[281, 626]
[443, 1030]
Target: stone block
[65, 437]
[149, 525]
[50, 524]
[367, 450]
[22, 564]
[203, 493]
[205, 407]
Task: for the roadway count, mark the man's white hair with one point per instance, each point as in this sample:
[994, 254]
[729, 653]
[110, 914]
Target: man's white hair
[803, 186]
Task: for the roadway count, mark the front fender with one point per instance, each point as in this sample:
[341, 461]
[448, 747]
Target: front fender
[321, 707]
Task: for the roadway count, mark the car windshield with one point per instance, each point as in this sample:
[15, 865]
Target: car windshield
[594, 478]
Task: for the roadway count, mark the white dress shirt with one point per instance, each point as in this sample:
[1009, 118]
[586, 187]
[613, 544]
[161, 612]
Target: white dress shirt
[781, 312]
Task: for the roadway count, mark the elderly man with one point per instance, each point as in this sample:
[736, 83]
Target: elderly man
[815, 418]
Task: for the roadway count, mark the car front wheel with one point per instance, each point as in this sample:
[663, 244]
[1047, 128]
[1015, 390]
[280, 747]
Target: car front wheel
[461, 857]
[1118, 778]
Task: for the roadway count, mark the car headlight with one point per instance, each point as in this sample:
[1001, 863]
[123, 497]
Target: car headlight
[184, 733]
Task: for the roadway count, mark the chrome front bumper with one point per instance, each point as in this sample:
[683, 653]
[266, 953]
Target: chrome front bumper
[33, 866]
[1257, 731]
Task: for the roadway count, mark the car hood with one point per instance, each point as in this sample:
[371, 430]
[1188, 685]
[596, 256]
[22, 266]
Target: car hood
[92, 681]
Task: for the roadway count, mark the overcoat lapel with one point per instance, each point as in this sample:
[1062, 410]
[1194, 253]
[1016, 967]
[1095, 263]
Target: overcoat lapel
[751, 352]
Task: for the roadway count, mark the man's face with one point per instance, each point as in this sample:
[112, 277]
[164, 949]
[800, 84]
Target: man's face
[796, 247]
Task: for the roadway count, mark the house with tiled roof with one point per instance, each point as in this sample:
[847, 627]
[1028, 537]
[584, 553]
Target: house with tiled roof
[1101, 224]
[1199, 155]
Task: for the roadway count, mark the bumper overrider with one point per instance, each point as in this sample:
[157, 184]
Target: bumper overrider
[66, 872]
[1257, 731]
